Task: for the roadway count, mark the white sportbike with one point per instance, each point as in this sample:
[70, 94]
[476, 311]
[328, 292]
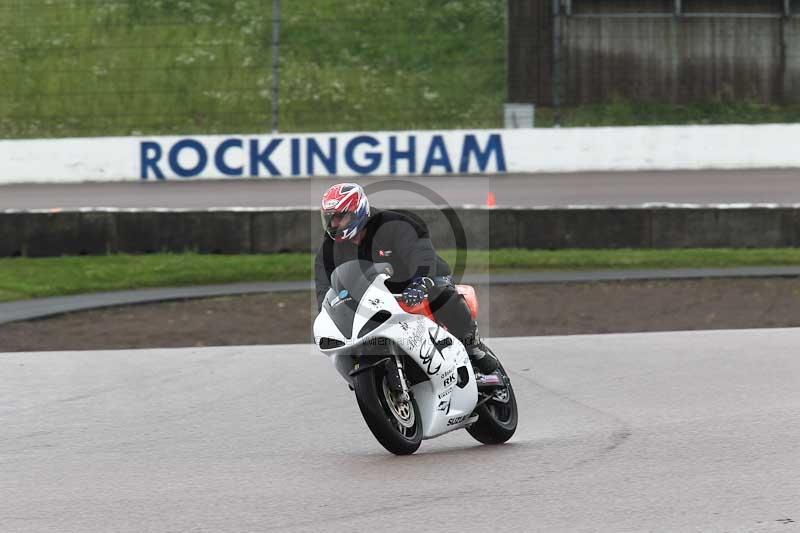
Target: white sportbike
[412, 379]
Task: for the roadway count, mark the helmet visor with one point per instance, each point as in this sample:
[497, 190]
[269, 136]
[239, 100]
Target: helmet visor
[335, 224]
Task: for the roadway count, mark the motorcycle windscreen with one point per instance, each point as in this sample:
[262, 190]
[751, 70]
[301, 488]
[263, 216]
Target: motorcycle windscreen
[342, 311]
[349, 283]
[353, 278]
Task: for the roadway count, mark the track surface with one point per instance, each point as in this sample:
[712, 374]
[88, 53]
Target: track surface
[671, 431]
[602, 189]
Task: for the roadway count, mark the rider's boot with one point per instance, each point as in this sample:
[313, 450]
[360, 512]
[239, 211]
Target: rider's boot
[481, 358]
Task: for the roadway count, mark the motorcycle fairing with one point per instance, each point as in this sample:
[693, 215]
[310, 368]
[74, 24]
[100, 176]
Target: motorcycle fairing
[443, 406]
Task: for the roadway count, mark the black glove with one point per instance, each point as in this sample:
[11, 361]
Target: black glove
[416, 292]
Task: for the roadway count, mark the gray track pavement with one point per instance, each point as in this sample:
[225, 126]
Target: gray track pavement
[590, 188]
[47, 307]
[693, 431]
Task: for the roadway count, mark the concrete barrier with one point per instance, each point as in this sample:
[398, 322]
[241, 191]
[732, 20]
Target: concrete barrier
[39, 234]
[284, 230]
[52, 234]
[710, 228]
[179, 231]
[409, 153]
[11, 235]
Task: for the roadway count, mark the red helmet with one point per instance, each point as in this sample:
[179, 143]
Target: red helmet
[345, 210]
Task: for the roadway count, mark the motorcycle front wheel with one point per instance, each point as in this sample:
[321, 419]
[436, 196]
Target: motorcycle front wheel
[396, 424]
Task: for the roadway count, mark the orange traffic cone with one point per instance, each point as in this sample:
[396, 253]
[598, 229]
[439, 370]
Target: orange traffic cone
[491, 201]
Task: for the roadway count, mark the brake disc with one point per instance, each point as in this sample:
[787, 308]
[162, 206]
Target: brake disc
[402, 411]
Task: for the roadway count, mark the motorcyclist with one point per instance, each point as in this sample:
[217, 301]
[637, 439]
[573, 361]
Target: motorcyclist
[352, 231]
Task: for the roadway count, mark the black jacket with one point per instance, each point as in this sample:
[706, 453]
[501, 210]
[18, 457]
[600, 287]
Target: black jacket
[399, 238]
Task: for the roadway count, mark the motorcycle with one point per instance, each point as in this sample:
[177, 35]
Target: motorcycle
[412, 379]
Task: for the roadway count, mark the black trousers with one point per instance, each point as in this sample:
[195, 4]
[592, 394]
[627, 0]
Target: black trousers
[450, 309]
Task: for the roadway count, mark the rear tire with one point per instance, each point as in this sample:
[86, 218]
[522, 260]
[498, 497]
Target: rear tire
[497, 418]
[396, 425]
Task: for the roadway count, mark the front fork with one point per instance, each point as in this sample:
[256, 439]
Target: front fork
[405, 396]
[395, 374]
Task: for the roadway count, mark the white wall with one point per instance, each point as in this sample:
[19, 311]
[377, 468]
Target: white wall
[401, 153]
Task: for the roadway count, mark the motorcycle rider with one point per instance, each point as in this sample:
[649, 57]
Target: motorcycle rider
[352, 231]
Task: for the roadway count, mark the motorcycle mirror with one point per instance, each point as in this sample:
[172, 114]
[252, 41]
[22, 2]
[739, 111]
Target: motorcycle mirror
[385, 268]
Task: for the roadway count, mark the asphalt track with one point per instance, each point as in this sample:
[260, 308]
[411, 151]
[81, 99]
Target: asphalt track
[593, 188]
[667, 431]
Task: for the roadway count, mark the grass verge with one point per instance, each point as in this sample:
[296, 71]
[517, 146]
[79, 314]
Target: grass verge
[23, 278]
[629, 113]
[142, 67]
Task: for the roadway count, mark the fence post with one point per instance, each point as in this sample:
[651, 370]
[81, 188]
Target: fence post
[276, 64]
[557, 63]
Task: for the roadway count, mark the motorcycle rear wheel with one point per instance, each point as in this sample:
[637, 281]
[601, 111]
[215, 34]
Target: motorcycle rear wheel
[396, 425]
[497, 418]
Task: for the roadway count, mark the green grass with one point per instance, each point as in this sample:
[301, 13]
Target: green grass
[120, 67]
[33, 278]
[505, 260]
[144, 67]
[22, 278]
[625, 113]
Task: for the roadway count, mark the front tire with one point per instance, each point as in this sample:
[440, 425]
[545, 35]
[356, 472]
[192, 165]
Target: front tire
[396, 425]
[497, 418]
